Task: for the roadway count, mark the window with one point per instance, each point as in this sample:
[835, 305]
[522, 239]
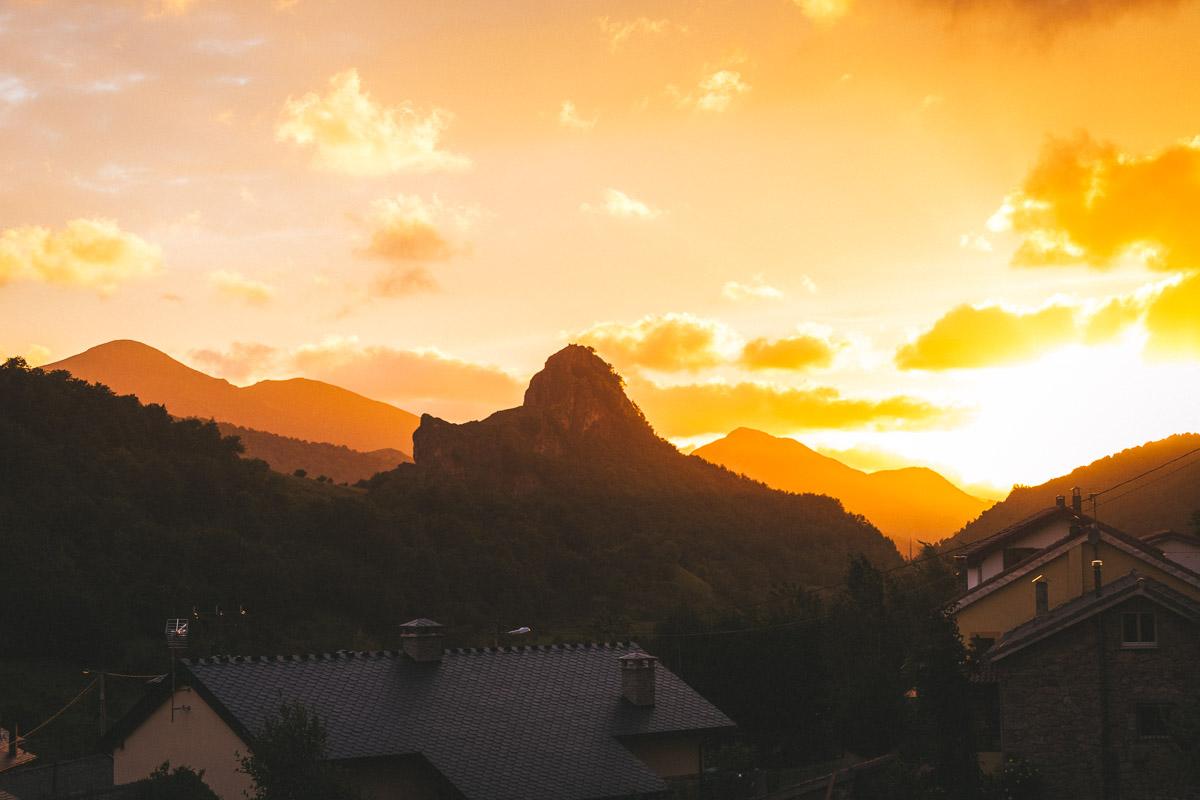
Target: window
[1015, 555]
[1153, 718]
[1138, 630]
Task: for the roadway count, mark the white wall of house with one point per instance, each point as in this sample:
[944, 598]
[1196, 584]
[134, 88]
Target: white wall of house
[1043, 536]
[1182, 551]
[197, 738]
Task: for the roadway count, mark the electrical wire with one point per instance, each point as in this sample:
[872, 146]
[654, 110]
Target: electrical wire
[62, 710]
[1147, 472]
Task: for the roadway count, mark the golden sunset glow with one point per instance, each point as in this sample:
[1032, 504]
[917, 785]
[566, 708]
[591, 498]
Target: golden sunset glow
[962, 235]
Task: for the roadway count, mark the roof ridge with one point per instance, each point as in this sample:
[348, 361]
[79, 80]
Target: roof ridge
[218, 659]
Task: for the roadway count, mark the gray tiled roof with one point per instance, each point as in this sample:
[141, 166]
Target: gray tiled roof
[510, 723]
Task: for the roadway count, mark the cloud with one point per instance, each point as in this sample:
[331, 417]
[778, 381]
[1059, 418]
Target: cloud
[667, 342]
[1085, 202]
[568, 117]
[242, 362]
[167, 8]
[1173, 321]
[824, 10]
[414, 379]
[1043, 16]
[1052, 15]
[91, 253]
[715, 93]
[229, 47]
[969, 337]
[418, 379]
[405, 232]
[351, 133]
[757, 289]
[14, 91]
[115, 84]
[790, 353]
[708, 408]
[236, 286]
[622, 206]
[618, 32]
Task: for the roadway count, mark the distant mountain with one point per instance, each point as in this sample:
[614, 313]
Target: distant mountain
[1165, 498]
[912, 503]
[336, 462]
[579, 486]
[299, 408]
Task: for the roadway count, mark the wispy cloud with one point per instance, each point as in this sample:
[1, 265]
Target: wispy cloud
[756, 289]
[715, 93]
[622, 206]
[618, 32]
[236, 286]
[568, 117]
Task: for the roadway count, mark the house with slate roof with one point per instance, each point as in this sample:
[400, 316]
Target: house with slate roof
[566, 721]
[1090, 690]
[1041, 569]
[1051, 558]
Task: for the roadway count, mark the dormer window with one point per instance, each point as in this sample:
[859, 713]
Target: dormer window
[1138, 630]
[1015, 555]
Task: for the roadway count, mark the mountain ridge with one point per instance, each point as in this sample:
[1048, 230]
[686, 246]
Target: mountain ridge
[909, 503]
[298, 408]
[1166, 498]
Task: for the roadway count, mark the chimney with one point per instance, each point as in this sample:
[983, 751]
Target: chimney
[1076, 500]
[1060, 501]
[1041, 595]
[1097, 577]
[422, 640]
[13, 733]
[637, 677]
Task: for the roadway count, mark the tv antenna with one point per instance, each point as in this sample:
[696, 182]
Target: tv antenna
[177, 642]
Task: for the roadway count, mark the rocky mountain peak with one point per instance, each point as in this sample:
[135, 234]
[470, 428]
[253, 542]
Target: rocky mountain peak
[574, 408]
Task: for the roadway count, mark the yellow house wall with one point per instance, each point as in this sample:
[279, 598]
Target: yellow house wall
[198, 738]
[1067, 576]
[669, 757]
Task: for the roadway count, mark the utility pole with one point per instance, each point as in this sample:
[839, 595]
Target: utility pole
[103, 706]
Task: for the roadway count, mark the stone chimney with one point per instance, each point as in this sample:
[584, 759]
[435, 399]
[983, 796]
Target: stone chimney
[1076, 500]
[637, 677]
[1041, 596]
[422, 640]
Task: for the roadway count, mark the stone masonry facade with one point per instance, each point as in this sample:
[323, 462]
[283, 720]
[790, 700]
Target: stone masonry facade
[1051, 705]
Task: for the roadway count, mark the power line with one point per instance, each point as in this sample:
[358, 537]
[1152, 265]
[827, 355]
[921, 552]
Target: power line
[60, 712]
[1147, 472]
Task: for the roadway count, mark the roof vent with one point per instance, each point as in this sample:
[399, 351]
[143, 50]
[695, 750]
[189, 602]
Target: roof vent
[1060, 501]
[422, 640]
[637, 677]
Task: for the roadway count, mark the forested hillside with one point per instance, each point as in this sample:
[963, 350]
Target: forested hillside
[117, 517]
[1166, 496]
[338, 463]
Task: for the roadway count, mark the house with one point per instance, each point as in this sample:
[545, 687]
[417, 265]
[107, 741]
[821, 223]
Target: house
[1181, 547]
[563, 721]
[1049, 559]
[1089, 690]
[12, 755]
[1036, 566]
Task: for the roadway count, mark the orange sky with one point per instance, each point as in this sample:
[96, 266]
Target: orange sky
[953, 233]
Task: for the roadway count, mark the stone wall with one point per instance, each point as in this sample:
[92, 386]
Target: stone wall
[1050, 696]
